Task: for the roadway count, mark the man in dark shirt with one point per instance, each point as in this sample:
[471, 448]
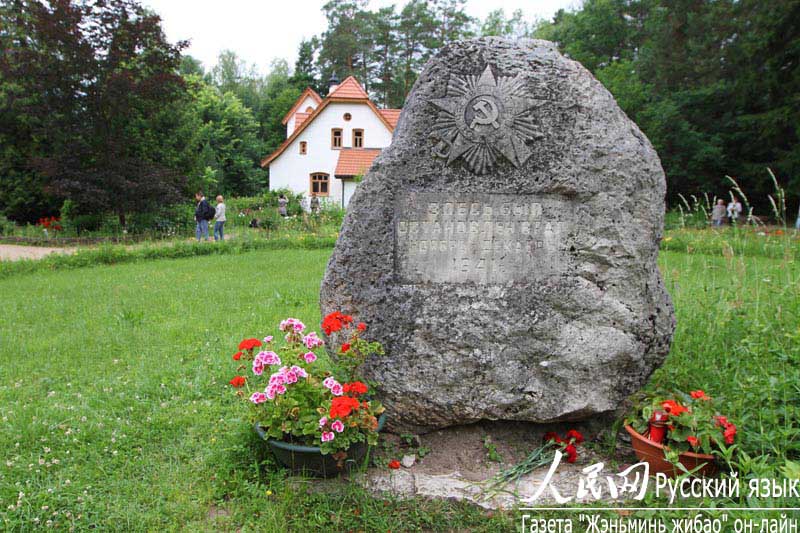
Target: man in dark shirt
[200, 213]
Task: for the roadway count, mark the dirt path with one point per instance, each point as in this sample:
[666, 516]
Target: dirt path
[14, 252]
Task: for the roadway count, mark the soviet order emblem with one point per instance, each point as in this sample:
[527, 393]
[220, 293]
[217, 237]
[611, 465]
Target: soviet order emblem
[483, 118]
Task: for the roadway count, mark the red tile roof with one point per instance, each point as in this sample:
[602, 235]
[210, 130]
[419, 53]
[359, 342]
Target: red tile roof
[349, 88]
[300, 118]
[355, 161]
[391, 116]
[308, 92]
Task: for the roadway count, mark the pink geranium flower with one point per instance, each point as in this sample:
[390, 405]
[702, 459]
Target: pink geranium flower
[329, 382]
[327, 436]
[310, 357]
[312, 341]
[258, 397]
[337, 426]
[336, 390]
[323, 421]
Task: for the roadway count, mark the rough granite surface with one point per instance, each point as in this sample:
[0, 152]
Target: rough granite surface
[503, 248]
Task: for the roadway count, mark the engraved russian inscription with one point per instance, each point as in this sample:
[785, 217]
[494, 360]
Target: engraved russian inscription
[486, 238]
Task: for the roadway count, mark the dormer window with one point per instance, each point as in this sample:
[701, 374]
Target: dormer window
[303, 147]
[336, 138]
[358, 138]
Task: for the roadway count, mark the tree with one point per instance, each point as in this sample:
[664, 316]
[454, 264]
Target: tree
[96, 103]
[227, 138]
[305, 72]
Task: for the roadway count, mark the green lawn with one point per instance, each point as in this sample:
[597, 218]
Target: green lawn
[114, 412]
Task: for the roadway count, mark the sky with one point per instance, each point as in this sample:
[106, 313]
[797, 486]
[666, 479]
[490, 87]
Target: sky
[262, 30]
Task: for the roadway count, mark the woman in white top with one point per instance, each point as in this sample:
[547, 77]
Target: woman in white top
[219, 216]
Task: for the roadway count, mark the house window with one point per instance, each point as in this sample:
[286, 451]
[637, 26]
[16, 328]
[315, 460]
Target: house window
[358, 138]
[303, 147]
[336, 138]
[347, 117]
[319, 183]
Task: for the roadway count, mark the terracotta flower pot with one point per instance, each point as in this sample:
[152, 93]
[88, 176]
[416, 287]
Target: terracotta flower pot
[309, 460]
[653, 454]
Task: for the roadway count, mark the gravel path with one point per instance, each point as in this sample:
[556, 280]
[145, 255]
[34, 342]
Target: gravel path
[14, 252]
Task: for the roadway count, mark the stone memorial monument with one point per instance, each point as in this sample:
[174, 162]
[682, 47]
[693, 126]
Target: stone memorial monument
[503, 248]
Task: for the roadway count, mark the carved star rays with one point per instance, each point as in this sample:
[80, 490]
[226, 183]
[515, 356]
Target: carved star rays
[483, 118]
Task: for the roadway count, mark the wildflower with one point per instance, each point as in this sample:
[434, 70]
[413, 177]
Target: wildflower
[237, 382]
[309, 357]
[237, 356]
[394, 464]
[694, 441]
[337, 426]
[327, 436]
[345, 347]
[699, 395]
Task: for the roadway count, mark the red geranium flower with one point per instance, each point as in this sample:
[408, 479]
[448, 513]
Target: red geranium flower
[249, 344]
[238, 381]
[572, 453]
[335, 322]
[673, 408]
[342, 406]
[345, 347]
[361, 326]
[237, 356]
[699, 395]
[355, 387]
[575, 435]
[694, 441]
[394, 464]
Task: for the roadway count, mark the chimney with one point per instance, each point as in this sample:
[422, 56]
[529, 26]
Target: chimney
[333, 83]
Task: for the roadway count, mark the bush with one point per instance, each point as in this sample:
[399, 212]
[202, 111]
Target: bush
[6, 226]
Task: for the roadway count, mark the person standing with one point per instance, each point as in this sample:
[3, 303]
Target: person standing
[314, 204]
[219, 217]
[735, 211]
[282, 203]
[201, 212]
[718, 213]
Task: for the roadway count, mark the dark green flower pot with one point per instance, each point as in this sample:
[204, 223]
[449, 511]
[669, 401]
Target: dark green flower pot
[309, 460]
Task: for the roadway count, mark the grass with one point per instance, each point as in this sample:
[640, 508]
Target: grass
[114, 413]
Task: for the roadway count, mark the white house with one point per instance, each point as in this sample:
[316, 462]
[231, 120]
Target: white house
[330, 141]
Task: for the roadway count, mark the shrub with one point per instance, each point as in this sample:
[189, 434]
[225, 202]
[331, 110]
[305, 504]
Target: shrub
[6, 226]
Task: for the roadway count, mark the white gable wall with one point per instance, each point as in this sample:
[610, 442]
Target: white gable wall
[307, 102]
[293, 171]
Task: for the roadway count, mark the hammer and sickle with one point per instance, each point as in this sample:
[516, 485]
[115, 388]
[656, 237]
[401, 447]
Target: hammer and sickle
[488, 113]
